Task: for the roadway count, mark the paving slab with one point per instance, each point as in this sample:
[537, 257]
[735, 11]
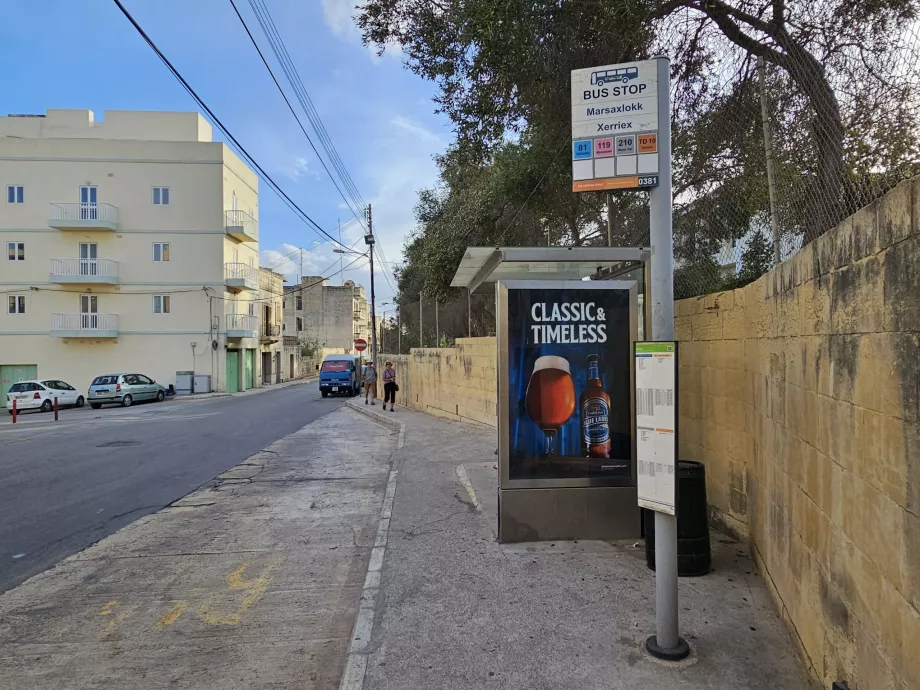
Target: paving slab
[252, 582]
[455, 609]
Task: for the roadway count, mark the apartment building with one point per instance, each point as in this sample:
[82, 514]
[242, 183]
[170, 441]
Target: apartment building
[270, 309]
[131, 244]
[332, 315]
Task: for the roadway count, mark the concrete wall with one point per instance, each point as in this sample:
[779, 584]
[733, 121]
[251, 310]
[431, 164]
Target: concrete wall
[453, 382]
[801, 393]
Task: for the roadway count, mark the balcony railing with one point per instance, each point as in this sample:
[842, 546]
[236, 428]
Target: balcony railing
[80, 216]
[270, 332]
[84, 271]
[242, 326]
[242, 226]
[274, 286]
[241, 276]
[84, 325]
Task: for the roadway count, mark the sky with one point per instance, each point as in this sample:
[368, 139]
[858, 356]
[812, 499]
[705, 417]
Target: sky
[380, 116]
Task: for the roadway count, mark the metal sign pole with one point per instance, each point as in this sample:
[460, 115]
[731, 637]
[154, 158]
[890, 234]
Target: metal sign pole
[666, 643]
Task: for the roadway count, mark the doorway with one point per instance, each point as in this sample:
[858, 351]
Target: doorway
[14, 373]
[266, 368]
[89, 253]
[89, 311]
[89, 208]
[291, 374]
[233, 371]
[250, 368]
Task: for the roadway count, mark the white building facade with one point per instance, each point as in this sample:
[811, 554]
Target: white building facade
[129, 245]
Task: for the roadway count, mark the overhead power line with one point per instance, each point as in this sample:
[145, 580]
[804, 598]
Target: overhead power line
[236, 145]
[286, 100]
[278, 47]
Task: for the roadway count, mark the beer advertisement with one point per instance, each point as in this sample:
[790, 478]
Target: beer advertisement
[569, 353]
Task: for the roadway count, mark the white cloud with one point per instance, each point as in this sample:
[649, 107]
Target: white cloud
[413, 129]
[339, 16]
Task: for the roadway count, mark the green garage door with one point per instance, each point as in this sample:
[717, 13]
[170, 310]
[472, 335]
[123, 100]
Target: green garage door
[11, 373]
[250, 369]
[233, 371]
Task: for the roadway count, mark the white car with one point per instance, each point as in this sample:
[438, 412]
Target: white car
[31, 395]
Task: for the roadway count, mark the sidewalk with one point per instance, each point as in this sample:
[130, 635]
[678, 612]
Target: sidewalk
[457, 610]
[264, 388]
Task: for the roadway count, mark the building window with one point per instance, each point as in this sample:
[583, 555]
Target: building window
[161, 304]
[161, 196]
[14, 194]
[161, 251]
[16, 251]
[17, 304]
[252, 308]
[299, 304]
[252, 262]
[299, 324]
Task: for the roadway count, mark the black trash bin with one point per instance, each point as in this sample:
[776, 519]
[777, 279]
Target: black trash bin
[694, 556]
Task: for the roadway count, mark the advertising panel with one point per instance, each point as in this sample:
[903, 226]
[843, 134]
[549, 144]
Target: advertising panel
[567, 352]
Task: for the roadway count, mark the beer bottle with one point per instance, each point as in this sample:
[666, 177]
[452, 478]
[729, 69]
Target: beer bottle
[595, 414]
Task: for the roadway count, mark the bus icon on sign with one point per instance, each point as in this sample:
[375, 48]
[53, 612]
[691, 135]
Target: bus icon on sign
[608, 76]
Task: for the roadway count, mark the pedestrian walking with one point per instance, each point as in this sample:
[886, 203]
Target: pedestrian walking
[389, 386]
[370, 383]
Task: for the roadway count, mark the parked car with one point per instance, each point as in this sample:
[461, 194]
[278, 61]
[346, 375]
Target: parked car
[30, 395]
[124, 390]
[339, 374]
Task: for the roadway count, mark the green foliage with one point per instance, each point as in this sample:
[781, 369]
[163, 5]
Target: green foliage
[756, 259]
[841, 106]
[309, 347]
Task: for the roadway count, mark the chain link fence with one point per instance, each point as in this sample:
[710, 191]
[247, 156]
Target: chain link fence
[441, 323]
[769, 155]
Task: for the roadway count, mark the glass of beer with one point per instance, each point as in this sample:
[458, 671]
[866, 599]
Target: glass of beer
[550, 398]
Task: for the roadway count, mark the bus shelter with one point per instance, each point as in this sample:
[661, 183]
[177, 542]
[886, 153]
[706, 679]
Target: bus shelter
[566, 321]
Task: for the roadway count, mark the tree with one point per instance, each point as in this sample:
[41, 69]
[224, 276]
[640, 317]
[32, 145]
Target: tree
[756, 259]
[842, 81]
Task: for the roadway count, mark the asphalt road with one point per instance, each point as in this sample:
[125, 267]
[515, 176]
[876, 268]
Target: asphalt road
[68, 484]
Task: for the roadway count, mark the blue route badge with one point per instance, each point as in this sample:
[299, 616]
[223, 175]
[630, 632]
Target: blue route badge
[581, 149]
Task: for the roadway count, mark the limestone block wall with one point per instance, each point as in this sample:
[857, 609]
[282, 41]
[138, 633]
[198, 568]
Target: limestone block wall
[801, 393]
[453, 382]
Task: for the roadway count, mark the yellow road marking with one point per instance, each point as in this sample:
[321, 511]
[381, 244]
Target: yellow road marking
[108, 609]
[255, 589]
[173, 614]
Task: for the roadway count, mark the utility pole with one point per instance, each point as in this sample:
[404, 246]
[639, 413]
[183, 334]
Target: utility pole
[421, 337]
[768, 146]
[609, 219]
[369, 241]
[437, 328]
[398, 329]
[300, 279]
[341, 256]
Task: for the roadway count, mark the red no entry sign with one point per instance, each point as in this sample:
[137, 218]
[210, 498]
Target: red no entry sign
[360, 344]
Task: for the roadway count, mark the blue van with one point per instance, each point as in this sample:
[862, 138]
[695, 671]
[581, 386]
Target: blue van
[340, 374]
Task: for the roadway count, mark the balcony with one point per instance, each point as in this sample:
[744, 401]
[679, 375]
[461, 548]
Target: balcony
[270, 333]
[271, 284]
[238, 277]
[84, 325]
[242, 326]
[78, 216]
[83, 271]
[241, 226]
